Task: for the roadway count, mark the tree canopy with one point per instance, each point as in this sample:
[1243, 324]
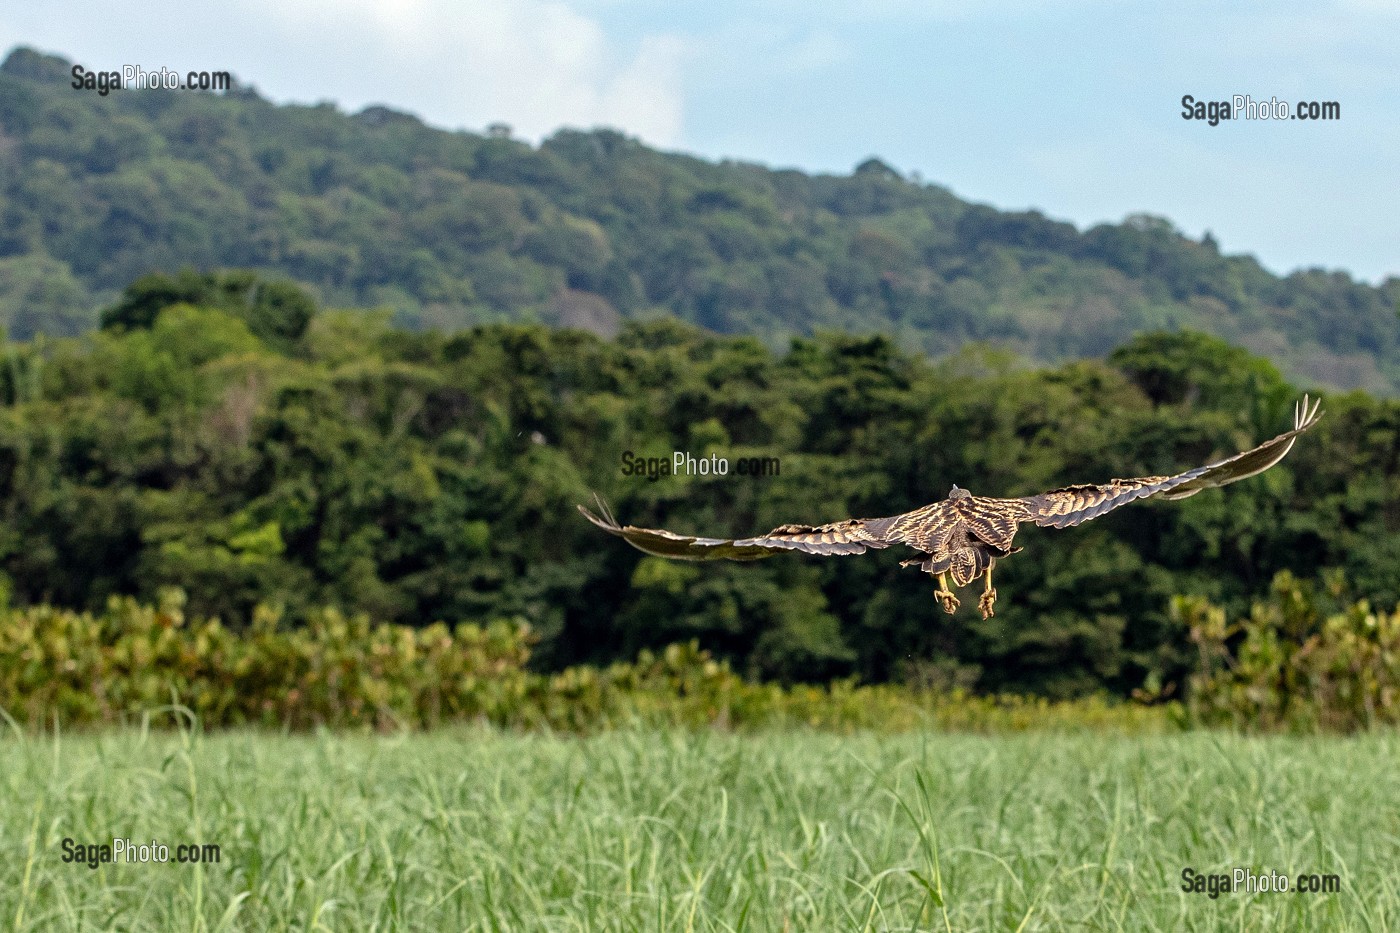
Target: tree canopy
[226, 436]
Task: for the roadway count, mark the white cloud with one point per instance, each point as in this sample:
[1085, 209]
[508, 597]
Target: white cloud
[635, 98]
[536, 64]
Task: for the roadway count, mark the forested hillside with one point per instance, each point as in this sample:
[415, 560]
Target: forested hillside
[224, 435]
[591, 229]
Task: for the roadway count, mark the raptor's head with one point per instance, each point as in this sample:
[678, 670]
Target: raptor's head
[958, 492]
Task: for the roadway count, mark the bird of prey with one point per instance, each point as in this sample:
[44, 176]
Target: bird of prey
[964, 535]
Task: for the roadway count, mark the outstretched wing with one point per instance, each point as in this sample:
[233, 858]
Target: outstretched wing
[852, 536]
[1061, 508]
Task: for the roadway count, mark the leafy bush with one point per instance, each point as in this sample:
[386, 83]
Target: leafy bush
[85, 668]
[81, 667]
[1303, 660]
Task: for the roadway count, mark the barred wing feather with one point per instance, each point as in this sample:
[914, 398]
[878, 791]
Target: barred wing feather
[849, 537]
[1062, 508]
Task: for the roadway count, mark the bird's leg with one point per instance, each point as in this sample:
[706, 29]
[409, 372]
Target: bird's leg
[989, 595]
[945, 595]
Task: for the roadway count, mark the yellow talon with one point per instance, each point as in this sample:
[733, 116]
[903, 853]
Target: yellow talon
[989, 596]
[945, 595]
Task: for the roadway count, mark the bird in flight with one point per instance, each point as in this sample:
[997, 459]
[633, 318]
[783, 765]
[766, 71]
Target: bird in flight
[963, 536]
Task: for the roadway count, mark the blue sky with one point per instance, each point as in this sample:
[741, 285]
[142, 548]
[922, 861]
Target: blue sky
[1069, 107]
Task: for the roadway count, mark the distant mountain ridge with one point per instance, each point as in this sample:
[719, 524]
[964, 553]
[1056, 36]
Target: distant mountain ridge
[452, 229]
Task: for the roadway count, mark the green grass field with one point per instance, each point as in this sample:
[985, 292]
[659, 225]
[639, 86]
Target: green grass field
[470, 829]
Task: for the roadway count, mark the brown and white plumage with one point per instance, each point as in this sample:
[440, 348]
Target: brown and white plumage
[964, 535]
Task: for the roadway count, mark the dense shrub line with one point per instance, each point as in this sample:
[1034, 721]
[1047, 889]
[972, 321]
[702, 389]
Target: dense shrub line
[339, 671]
[1305, 658]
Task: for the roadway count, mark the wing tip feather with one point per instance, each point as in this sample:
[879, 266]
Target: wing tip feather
[1307, 412]
[607, 522]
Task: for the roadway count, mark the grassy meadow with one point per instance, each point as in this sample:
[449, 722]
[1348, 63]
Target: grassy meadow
[479, 829]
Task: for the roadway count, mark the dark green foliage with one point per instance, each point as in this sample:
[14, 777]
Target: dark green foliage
[1178, 368]
[38, 294]
[1306, 658]
[151, 294]
[450, 230]
[420, 476]
[276, 312]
